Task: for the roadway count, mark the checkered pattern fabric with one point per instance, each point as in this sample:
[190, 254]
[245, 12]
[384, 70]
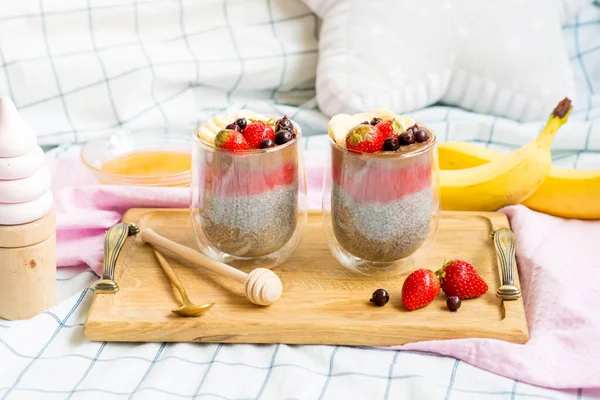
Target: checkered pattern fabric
[89, 66]
[130, 84]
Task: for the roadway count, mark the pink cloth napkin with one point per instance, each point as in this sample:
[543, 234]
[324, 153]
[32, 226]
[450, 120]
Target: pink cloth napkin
[558, 263]
[558, 266]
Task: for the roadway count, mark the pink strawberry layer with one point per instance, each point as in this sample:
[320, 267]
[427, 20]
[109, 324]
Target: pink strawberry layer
[243, 182]
[382, 182]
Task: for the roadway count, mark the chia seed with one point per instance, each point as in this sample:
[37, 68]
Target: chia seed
[381, 232]
[251, 226]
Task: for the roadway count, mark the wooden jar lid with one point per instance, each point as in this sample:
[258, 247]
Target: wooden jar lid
[12, 236]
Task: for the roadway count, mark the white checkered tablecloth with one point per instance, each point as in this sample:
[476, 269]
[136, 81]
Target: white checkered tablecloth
[79, 68]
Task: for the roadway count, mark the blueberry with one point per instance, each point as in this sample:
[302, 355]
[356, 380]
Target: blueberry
[283, 136]
[407, 138]
[266, 143]
[375, 121]
[284, 123]
[241, 122]
[233, 126]
[380, 297]
[414, 128]
[391, 144]
[421, 136]
[453, 303]
[293, 133]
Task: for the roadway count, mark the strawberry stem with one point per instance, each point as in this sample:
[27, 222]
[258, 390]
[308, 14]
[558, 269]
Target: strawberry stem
[441, 273]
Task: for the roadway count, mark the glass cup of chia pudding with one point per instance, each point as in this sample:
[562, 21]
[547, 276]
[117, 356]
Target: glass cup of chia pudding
[381, 198]
[248, 189]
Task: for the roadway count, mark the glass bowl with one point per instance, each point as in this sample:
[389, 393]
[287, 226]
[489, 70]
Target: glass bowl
[140, 158]
[381, 210]
[248, 208]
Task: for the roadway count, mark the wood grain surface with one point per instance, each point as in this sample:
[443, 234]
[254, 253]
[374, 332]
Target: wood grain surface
[27, 279]
[322, 303]
[34, 232]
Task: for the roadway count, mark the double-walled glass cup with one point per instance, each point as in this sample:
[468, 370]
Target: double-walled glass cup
[248, 208]
[381, 210]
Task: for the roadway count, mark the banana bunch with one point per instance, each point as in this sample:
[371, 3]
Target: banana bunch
[566, 193]
[503, 180]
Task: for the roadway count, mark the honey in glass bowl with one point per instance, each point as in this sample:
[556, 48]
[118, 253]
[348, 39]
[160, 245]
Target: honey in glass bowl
[149, 163]
[142, 158]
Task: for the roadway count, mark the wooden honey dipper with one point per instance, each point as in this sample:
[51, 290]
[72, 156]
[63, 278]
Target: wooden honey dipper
[261, 286]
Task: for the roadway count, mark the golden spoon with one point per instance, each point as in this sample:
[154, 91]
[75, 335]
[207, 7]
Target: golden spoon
[188, 309]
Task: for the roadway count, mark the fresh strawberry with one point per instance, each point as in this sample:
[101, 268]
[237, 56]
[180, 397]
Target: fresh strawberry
[231, 140]
[365, 138]
[389, 127]
[255, 132]
[385, 128]
[459, 278]
[420, 288]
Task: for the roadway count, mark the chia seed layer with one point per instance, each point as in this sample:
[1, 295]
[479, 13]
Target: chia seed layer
[381, 232]
[251, 226]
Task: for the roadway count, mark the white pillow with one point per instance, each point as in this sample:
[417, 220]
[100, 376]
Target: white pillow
[505, 58]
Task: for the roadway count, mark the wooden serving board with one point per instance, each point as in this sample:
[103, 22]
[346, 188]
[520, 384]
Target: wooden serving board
[322, 303]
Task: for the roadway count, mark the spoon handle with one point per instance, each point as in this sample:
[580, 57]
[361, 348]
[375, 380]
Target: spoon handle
[149, 236]
[505, 243]
[171, 275]
[113, 243]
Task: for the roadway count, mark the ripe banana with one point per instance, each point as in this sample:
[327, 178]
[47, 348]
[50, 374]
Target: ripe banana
[567, 193]
[509, 178]
[461, 155]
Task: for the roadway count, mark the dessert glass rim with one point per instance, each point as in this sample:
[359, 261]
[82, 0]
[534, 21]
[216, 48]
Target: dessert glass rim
[390, 154]
[249, 151]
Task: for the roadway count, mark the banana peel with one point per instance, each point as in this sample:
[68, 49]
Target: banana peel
[507, 179]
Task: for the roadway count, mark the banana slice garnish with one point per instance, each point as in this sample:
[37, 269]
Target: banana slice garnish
[214, 128]
[365, 116]
[339, 126]
[206, 135]
[222, 121]
[251, 115]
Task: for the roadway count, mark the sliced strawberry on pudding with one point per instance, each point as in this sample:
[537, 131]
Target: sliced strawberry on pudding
[256, 132]
[385, 128]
